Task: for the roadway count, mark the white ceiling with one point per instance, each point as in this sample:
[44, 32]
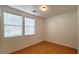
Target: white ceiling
[52, 9]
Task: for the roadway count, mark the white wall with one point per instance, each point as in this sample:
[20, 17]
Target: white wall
[62, 29]
[15, 43]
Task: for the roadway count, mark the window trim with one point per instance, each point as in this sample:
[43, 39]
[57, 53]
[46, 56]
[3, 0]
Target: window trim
[23, 25]
[12, 25]
[30, 26]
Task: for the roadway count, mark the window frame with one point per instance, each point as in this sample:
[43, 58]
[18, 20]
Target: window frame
[30, 26]
[23, 25]
[13, 25]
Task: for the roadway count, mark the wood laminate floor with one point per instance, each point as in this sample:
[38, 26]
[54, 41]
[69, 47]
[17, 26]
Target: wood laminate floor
[47, 48]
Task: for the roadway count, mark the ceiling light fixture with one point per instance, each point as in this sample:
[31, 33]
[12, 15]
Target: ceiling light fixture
[34, 10]
[43, 8]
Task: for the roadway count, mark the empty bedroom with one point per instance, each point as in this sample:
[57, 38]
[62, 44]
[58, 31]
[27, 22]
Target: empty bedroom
[38, 29]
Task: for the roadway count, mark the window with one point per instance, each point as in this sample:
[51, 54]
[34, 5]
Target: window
[29, 26]
[12, 25]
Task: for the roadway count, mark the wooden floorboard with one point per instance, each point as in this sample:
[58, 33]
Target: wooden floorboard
[46, 48]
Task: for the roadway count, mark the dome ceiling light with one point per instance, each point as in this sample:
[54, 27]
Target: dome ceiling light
[44, 8]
